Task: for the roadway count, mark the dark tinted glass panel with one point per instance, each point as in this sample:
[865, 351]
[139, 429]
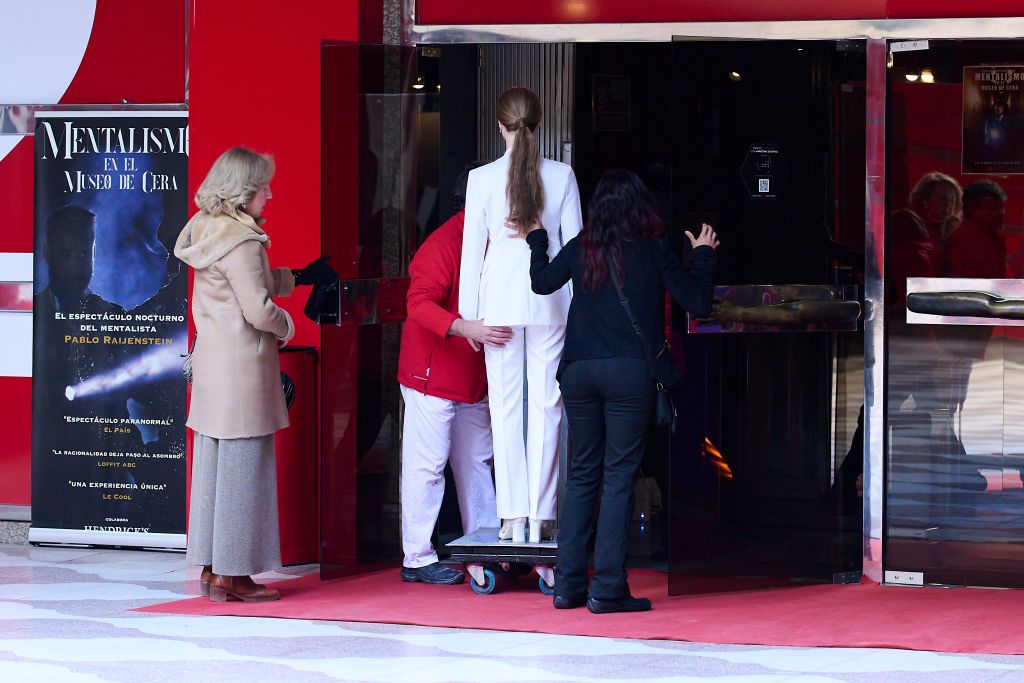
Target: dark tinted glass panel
[373, 121]
[768, 145]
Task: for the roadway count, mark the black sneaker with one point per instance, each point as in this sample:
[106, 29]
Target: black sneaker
[569, 601]
[600, 606]
[433, 573]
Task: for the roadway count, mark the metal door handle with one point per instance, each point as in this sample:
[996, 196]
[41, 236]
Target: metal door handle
[780, 308]
[972, 304]
[791, 312]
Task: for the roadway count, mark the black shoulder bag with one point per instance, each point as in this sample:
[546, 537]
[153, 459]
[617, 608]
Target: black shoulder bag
[664, 377]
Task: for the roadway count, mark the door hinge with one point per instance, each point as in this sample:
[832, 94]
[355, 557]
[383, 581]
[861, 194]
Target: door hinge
[900, 578]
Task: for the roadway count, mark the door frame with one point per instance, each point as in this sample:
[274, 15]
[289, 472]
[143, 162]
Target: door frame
[878, 34]
[843, 29]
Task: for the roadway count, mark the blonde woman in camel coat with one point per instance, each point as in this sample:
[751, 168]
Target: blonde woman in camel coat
[237, 401]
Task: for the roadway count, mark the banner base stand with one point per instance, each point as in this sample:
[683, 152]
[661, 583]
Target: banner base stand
[122, 539]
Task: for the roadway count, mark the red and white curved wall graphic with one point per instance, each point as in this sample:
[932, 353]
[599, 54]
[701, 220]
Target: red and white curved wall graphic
[105, 51]
[38, 60]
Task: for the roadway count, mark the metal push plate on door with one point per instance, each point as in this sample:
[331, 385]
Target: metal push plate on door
[965, 301]
[780, 308]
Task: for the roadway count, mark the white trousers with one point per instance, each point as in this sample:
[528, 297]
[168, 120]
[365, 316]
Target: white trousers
[526, 470]
[437, 431]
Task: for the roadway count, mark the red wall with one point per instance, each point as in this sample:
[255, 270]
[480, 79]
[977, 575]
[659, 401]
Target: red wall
[255, 81]
[606, 11]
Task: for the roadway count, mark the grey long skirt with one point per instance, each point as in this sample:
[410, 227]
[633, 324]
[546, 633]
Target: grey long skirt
[233, 512]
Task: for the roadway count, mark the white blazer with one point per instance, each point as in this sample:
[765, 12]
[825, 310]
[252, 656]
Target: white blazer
[495, 287]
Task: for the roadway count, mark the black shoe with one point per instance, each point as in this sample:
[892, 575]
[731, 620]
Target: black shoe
[433, 573]
[599, 606]
[569, 601]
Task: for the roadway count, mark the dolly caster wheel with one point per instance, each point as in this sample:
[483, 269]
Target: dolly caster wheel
[545, 578]
[485, 588]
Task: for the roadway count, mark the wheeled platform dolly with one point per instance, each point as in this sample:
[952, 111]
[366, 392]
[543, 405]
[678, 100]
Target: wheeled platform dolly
[486, 558]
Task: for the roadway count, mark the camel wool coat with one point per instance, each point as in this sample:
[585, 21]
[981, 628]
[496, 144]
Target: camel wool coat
[236, 385]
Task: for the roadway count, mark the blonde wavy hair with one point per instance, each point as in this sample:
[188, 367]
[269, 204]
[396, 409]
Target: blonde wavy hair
[234, 178]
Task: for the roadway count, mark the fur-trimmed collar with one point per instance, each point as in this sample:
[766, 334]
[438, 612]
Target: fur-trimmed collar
[206, 239]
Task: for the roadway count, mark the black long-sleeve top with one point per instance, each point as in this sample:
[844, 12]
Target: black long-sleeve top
[598, 326]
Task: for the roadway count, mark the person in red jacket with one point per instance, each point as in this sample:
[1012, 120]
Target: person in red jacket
[444, 385]
[976, 247]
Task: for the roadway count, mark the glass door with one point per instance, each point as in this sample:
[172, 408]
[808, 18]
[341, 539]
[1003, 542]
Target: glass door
[768, 144]
[955, 348]
[374, 121]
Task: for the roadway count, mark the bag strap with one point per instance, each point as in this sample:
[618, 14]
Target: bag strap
[632, 319]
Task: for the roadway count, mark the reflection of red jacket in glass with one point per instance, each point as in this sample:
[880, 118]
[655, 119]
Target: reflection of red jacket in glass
[430, 361]
[975, 251]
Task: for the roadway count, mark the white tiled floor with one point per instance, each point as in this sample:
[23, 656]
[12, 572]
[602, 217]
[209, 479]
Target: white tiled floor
[64, 616]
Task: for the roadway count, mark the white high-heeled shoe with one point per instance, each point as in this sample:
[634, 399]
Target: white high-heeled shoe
[513, 529]
[540, 529]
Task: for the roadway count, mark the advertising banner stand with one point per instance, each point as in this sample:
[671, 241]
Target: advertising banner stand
[110, 329]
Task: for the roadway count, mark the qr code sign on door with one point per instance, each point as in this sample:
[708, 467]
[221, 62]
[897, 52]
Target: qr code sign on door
[763, 185]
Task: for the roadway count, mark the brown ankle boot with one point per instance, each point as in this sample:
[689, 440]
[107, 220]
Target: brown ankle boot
[205, 578]
[222, 588]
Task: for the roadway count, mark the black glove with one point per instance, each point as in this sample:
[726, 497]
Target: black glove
[323, 299]
[316, 273]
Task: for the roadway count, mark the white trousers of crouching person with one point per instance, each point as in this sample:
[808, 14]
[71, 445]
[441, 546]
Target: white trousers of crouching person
[437, 431]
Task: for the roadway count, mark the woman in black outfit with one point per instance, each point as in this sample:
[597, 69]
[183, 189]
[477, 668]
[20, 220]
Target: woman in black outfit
[605, 378]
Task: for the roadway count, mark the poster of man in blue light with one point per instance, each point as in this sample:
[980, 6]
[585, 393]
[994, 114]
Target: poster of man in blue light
[110, 329]
[993, 116]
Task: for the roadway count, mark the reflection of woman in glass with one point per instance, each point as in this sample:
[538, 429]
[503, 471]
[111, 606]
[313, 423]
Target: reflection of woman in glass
[916, 247]
[937, 201]
[520, 189]
[917, 235]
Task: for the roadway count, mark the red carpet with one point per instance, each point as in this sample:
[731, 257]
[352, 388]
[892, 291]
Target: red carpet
[864, 615]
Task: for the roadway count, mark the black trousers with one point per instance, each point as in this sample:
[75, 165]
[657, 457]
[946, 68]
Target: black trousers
[608, 402]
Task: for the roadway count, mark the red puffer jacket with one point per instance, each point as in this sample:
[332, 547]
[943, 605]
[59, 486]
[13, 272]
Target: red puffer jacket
[430, 361]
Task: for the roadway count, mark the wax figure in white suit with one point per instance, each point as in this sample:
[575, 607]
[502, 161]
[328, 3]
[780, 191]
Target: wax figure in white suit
[519, 188]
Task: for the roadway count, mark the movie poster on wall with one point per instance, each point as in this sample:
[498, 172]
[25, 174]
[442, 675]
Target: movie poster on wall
[110, 329]
[993, 120]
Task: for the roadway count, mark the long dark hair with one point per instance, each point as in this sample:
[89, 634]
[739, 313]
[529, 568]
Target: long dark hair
[519, 111]
[621, 209]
